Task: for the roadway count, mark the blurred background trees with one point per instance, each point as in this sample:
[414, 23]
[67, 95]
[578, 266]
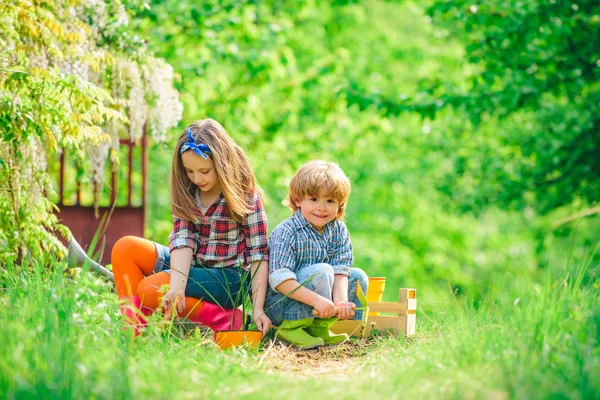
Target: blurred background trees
[467, 129]
[535, 67]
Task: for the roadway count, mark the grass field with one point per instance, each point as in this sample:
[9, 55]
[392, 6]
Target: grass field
[63, 338]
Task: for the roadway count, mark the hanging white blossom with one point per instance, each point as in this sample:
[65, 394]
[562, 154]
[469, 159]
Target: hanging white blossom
[5, 56]
[32, 163]
[38, 61]
[167, 110]
[98, 157]
[128, 93]
[136, 104]
[98, 14]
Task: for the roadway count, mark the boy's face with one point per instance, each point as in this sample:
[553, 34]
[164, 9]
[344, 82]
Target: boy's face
[319, 210]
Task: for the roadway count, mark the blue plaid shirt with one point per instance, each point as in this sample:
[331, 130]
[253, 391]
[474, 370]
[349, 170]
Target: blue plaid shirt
[295, 244]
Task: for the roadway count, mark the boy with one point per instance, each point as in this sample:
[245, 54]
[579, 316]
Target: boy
[310, 260]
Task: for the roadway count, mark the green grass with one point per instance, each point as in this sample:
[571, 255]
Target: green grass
[62, 338]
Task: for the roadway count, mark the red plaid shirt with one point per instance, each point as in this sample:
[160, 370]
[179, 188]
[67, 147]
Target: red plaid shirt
[218, 241]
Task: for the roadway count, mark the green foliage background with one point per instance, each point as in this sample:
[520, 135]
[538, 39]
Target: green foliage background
[414, 102]
[469, 131]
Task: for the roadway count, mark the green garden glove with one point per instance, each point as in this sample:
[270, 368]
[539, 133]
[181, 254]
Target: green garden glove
[293, 332]
[320, 328]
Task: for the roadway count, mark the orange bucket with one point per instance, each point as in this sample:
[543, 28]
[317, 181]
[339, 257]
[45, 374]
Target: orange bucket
[375, 291]
[227, 339]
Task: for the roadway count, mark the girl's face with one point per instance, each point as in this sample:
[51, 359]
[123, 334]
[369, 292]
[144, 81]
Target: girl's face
[319, 210]
[201, 172]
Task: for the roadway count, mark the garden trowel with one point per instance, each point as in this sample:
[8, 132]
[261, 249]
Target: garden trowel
[365, 307]
[361, 298]
[77, 257]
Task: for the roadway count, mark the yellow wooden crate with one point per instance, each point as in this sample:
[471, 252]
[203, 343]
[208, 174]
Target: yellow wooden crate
[402, 323]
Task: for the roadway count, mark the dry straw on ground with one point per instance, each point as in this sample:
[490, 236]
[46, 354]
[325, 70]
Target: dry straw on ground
[323, 360]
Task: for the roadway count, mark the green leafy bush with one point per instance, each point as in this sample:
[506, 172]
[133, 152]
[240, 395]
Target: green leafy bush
[71, 78]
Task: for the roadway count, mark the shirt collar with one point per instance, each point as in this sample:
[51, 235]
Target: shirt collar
[197, 197]
[217, 202]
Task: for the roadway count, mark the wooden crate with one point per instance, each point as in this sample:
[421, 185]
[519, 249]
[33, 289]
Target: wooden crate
[402, 323]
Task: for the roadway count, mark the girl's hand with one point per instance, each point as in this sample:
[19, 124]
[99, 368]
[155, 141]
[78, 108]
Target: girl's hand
[345, 309]
[325, 308]
[177, 297]
[263, 323]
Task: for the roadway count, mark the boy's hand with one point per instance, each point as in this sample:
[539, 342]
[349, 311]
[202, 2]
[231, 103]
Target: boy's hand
[325, 308]
[345, 309]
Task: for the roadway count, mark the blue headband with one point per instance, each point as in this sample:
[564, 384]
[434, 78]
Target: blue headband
[201, 149]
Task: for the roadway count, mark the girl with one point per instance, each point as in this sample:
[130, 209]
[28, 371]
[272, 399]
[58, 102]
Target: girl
[219, 225]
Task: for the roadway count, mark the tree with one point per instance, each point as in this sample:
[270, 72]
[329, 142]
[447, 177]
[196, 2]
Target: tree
[535, 66]
[71, 77]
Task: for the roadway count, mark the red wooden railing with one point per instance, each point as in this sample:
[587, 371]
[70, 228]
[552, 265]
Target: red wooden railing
[125, 219]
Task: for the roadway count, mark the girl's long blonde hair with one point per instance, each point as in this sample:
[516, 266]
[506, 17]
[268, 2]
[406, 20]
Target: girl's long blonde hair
[231, 165]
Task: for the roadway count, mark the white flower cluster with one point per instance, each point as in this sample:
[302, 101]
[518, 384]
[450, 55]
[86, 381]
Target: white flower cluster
[8, 45]
[32, 165]
[128, 92]
[98, 156]
[121, 18]
[141, 86]
[98, 14]
[77, 67]
[38, 61]
[148, 97]
[132, 90]
[167, 110]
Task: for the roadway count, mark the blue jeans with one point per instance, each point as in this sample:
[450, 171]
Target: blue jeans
[319, 279]
[220, 286]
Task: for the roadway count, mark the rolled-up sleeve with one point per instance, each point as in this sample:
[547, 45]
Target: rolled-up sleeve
[184, 234]
[342, 257]
[282, 257]
[255, 231]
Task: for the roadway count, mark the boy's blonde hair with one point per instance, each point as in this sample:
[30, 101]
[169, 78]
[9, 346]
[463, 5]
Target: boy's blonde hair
[319, 177]
[231, 165]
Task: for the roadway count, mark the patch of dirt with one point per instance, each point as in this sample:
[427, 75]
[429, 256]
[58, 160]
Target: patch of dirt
[326, 360]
